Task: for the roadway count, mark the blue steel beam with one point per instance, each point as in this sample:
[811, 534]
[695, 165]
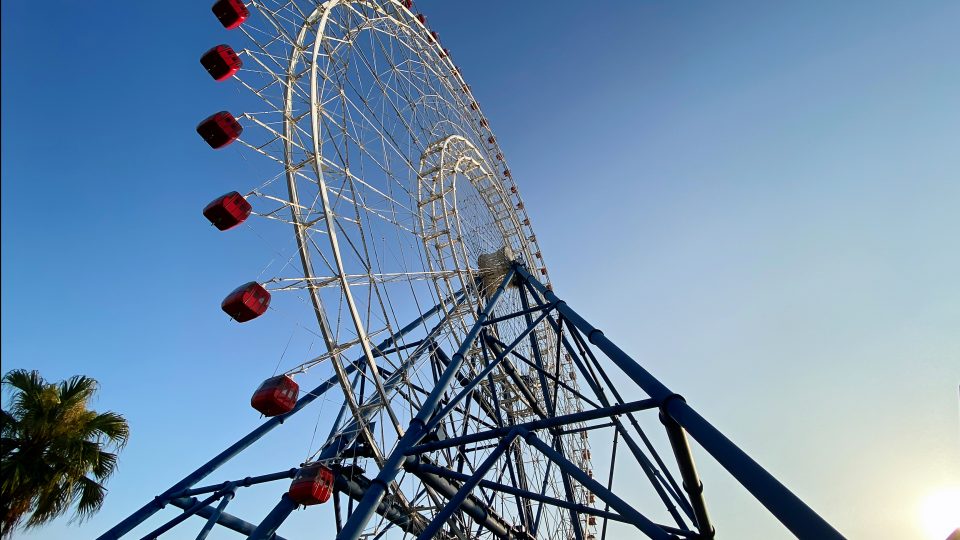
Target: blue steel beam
[441, 518]
[515, 462]
[590, 378]
[534, 425]
[417, 428]
[184, 516]
[212, 519]
[336, 444]
[347, 435]
[224, 519]
[629, 514]
[204, 470]
[244, 482]
[510, 490]
[487, 370]
[268, 527]
[799, 518]
[662, 480]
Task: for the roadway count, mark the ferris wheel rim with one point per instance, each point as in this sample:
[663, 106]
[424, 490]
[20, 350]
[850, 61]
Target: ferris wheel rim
[319, 18]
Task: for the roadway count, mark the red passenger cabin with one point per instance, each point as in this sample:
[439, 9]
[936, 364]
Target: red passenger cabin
[228, 211]
[246, 302]
[220, 129]
[230, 13]
[312, 485]
[277, 395]
[221, 62]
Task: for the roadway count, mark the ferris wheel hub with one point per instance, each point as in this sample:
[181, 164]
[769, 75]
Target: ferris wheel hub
[494, 266]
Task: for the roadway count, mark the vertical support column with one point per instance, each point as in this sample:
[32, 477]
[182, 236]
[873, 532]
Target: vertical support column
[688, 472]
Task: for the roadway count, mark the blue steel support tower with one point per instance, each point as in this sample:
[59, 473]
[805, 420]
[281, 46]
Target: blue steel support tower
[595, 357]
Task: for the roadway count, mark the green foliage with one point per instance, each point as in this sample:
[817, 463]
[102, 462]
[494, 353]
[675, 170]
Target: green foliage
[54, 452]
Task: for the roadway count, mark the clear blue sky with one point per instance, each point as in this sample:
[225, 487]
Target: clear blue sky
[761, 200]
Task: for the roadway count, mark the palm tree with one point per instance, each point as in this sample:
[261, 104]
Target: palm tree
[54, 452]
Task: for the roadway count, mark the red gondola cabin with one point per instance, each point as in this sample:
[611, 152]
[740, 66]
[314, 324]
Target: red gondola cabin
[220, 129]
[277, 395]
[230, 13]
[221, 62]
[312, 485]
[228, 211]
[246, 302]
[422, 18]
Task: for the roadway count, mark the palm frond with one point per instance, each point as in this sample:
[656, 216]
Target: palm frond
[88, 497]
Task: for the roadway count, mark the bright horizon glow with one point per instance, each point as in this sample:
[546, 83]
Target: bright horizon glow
[940, 513]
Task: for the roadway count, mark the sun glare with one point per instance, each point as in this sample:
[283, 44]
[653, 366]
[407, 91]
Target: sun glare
[940, 513]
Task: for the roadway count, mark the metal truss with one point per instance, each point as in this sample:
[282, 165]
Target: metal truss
[491, 451]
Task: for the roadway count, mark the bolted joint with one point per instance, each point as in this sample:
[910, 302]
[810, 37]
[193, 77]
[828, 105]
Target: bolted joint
[594, 332]
[665, 407]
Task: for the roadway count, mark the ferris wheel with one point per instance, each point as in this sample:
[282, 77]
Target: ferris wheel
[402, 207]
[417, 268]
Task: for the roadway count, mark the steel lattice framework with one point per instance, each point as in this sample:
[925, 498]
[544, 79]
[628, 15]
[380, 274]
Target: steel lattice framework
[470, 392]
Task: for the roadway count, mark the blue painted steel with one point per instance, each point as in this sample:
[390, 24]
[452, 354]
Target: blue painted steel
[204, 470]
[613, 469]
[517, 474]
[688, 471]
[474, 506]
[268, 527]
[549, 376]
[661, 479]
[212, 519]
[243, 482]
[391, 467]
[534, 425]
[441, 518]
[504, 488]
[487, 370]
[182, 517]
[799, 518]
[224, 520]
[629, 514]
[349, 433]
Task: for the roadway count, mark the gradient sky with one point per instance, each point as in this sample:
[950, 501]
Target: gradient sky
[760, 200]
